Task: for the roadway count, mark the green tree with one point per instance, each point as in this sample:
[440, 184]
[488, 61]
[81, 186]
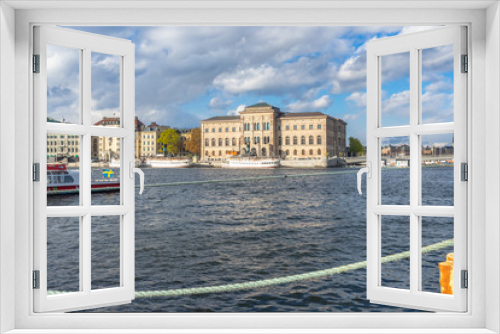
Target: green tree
[193, 145]
[171, 140]
[355, 145]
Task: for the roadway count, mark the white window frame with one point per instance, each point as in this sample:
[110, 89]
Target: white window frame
[484, 212]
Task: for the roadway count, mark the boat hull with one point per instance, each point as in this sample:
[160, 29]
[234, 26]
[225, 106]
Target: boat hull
[250, 164]
[75, 189]
[169, 164]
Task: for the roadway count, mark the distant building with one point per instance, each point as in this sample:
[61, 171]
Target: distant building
[264, 130]
[148, 140]
[62, 146]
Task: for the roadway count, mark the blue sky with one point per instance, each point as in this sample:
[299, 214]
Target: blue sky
[186, 74]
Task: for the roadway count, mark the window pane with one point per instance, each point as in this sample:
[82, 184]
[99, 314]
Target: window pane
[437, 84]
[395, 240]
[395, 89]
[106, 78]
[105, 252]
[106, 165]
[395, 178]
[437, 170]
[435, 230]
[63, 254]
[63, 84]
[63, 169]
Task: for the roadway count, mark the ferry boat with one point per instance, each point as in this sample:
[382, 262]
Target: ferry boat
[161, 162]
[251, 162]
[61, 180]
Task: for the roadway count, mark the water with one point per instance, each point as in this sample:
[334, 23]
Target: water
[215, 234]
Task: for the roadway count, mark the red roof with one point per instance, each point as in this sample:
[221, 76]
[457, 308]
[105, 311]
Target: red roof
[110, 119]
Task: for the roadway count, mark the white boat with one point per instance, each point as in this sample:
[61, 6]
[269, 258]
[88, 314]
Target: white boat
[61, 180]
[169, 162]
[251, 162]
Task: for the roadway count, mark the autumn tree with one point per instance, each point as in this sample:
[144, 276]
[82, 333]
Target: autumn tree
[170, 140]
[193, 144]
[355, 145]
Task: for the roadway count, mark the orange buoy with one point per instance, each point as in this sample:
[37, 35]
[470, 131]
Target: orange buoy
[446, 275]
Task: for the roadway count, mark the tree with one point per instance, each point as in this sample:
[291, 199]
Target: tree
[193, 144]
[171, 140]
[355, 145]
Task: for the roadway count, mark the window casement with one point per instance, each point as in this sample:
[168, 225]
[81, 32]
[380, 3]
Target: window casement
[384, 214]
[89, 214]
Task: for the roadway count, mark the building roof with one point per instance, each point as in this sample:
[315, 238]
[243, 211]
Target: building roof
[110, 120]
[223, 118]
[307, 114]
[260, 105]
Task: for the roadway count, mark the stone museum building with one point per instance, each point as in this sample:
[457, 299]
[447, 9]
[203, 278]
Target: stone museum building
[265, 131]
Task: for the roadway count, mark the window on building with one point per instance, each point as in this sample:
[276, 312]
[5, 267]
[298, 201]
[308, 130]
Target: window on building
[319, 126]
[311, 140]
[311, 152]
[234, 129]
[206, 153]
[234, 141]
[227, 129]
[295, 127]
[287, 127]
[227, 141]
[319, 152]
[279, 140]
[213, 141]
[220, 129]
[294, 152]
[206, 129]
[302, 127]
[220, 141]
[213, 129]
[295, 140]
[303, 152]
[220, 153]
[207, 142]
[311, 127]
[318, 141]
[303, 140]
[287, 140]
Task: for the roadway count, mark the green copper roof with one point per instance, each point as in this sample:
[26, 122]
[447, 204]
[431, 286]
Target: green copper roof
[260, 104]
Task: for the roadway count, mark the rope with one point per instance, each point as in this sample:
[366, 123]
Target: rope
[172, 184]
[257, 178]
[279, 280]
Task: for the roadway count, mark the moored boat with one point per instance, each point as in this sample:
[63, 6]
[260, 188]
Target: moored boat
[61, 180]
[160, 162]
[251, 162]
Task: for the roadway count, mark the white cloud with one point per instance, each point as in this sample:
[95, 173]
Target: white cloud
[237, 111]
[350, 117]
[216, 103]
[358, 98]
[351, 75]
[439, 86]
[398, 104]
[315, 105]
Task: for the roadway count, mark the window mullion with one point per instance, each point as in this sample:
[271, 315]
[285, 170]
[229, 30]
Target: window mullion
[414, 171]
[86, 179]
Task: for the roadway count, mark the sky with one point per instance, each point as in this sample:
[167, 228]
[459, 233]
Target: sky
[186, 74]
